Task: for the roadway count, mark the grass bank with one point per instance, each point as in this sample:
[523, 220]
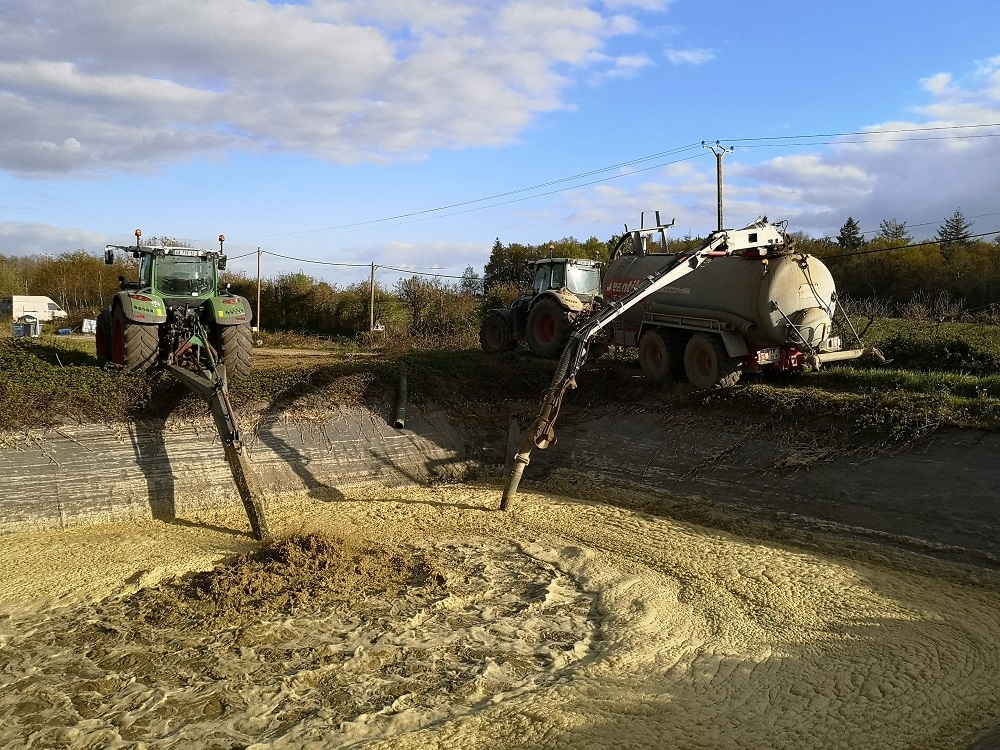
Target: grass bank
[937, 375]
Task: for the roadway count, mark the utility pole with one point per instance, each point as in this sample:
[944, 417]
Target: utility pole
[719, 150]
[258, 290]
[371, 301]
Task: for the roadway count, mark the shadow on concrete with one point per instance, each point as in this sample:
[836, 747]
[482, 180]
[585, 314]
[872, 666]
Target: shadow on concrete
[296, 460]
[153, 461]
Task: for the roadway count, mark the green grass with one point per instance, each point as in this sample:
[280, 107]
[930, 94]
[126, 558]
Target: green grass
[940, 375]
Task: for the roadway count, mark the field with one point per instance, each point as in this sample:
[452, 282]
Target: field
[593, 614]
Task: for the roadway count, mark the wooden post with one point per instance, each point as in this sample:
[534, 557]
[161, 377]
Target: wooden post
[371, 301]
[258, 291]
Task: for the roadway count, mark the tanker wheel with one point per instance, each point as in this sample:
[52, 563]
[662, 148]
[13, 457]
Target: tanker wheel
[494, 334]
[707, 364]
[549, 328]
[134, 346]
[235, 347]
[102, 336]
[655, 357]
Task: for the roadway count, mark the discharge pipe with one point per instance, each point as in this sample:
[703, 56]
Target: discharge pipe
[541, 434]
[400, 421]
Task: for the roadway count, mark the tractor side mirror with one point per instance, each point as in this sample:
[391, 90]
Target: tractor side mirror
[222, 263]
[109, 255]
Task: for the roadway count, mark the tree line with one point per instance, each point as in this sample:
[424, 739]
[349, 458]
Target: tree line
[889, 267]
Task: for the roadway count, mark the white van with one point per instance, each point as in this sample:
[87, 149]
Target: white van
[42, 308]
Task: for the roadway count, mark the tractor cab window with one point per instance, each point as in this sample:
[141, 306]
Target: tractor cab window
[542, 274]
[583, 279]
[145, 271]
[558, 277]
[179, 275]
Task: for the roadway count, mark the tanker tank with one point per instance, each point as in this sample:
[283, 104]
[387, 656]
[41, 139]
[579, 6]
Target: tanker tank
[758, 297]
[765, 305]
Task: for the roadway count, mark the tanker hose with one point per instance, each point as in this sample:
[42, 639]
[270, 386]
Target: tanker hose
[521, 460]
[542, 433]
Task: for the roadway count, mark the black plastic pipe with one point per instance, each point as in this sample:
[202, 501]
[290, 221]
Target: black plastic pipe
[400, 421]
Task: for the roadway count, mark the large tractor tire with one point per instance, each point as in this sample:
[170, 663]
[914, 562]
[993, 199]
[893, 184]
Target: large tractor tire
[495, 334]
[102, 336]
[708, 365]
[549, 328]
[134, 346]
[657, 357]
[235, 347]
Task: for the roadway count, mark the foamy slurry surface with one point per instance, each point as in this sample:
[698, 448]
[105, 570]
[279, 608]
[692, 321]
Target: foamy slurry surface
[558, 624]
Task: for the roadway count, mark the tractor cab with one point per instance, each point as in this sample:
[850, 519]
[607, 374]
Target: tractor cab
[180, 272]
[580, 277]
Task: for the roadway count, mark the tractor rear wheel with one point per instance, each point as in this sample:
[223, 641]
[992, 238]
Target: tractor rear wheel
[549, 328]
[656, 357]
[102, 336]
[495, 335]
[235, 347]
[134, 346]
[708, 365]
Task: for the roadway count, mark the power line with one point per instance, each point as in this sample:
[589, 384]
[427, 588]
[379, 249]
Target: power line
[460, 204]
[317, 262]
[356, 265]
[788, 141]
[420, 273]
[931, 223]
[902, 247]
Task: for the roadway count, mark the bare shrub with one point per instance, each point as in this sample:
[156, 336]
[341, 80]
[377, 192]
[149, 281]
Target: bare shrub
[867, 307]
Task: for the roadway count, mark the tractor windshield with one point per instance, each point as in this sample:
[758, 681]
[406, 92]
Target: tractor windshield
[184, 276]
[585, 280]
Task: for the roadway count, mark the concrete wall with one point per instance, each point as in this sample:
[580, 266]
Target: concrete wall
[58, 478]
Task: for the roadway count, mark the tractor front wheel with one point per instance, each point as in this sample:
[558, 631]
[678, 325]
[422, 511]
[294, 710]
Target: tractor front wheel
[708, 365]
[134, 346]
[549, 328]
[235, 347]
[495, 335]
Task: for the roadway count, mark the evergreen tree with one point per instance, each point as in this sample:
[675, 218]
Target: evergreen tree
[894, 231]
[850, 237]
[471, 283]
[956, 231]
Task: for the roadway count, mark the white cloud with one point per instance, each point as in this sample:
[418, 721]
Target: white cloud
[23, 238]
[629, 65]
[896, 171]
[690, 56]
[116, 85]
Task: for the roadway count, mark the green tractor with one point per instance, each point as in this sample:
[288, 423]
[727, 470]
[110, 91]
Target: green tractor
[565, 292]
[178, 292]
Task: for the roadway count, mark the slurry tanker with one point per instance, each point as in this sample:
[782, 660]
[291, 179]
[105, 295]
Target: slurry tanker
[743, 301]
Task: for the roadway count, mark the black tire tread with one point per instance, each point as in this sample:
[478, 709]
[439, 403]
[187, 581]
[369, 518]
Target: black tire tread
[140, 343]
[727, 371]
[563, 320]
[235, 345]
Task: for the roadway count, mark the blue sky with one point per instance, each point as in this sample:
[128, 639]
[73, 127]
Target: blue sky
[298, 127]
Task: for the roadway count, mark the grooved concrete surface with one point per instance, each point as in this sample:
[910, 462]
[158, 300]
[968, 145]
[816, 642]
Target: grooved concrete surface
[942, 496]
[74, 475]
